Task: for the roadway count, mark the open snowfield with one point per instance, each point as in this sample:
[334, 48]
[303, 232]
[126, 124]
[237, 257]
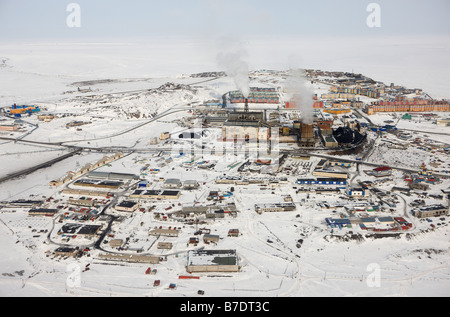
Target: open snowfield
[128, 104]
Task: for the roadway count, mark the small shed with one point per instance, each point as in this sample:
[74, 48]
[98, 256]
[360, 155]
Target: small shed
[233, 232]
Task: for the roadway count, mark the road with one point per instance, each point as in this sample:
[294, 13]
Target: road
[39, 166]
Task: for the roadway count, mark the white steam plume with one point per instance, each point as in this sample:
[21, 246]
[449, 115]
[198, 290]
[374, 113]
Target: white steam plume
[300, 94]
[236, 67]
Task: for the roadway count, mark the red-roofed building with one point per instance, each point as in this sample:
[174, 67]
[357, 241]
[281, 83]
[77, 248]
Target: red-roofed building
[382, 171]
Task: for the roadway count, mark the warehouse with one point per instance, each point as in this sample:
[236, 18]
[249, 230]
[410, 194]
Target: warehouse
[338, 222]
[164, 232]
[211, 238]
[212, 261]
[431, 211]
[95, 183]
[113, 176]
[80, 192]
[66, 251]
[164, 245]
[43, 212]
[130, 258]
[9, 127]
[330, 174]
[145, 194]
[172, 183]
[116, 243]
[381, 171]
[81, 202]
[190, 184]
[46, 117]
[128, 206]
[170, 194]
[339, 163]
[275, 207]
[322, 181]
[156, 194]
[79, 229]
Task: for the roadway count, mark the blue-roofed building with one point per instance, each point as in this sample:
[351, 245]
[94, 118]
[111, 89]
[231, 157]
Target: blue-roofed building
[338, 222]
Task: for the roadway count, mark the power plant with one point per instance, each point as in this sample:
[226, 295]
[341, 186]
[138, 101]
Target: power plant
[307, 139]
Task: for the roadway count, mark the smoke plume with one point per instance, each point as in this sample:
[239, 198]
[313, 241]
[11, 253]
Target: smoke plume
[300, 94]
[236, 67]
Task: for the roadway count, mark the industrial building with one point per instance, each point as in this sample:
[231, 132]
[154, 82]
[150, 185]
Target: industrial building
[46, 117]
[98, 184]
[211, 238]
[246, 126]
[80, 192]
[190, 184]
[381, 171]
[323, 181]
[115, 243]
[82, 202]
[307, 138]
[257, 95]
[43, 212]
[66, 251]
[330, 174]
[127, 206]
[431, 211]
[164, 232]
[212, 261]
[339, 163]
[80, 229]
[274, 207]
[172, 183]
[88, 168]
[155, 194]
[9, 127]
[112, 176]
[18, 110]
[129, 258]
[329, 141]
[164, 246]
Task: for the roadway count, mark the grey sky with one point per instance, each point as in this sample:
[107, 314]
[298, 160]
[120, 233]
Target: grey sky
[115, 19]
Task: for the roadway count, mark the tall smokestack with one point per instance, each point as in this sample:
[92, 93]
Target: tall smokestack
[246, 108]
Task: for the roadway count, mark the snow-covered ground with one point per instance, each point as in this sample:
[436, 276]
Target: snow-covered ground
[128, 104]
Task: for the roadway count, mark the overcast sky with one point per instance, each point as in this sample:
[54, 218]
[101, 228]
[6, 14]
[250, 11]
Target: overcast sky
[119, 19]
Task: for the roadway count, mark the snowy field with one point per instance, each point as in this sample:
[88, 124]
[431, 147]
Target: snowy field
[127, 104]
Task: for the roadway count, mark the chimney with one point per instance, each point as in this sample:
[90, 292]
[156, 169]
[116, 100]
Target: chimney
[246, 105]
